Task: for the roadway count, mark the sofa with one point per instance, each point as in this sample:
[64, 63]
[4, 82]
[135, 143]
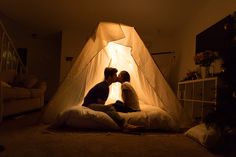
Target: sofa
[20, 93]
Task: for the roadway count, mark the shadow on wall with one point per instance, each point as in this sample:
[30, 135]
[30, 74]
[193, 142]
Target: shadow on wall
[166, 62]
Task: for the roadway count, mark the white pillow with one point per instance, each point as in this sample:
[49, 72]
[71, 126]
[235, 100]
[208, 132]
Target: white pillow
[80, 117]
[208, 137]
[4, 84]
[85, 118]
[152, 117]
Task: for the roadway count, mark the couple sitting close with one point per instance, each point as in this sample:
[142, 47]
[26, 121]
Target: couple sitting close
[97, 96]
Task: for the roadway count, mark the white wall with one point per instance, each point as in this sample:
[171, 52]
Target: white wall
[73, 41]
[212, 12]
[160, 42]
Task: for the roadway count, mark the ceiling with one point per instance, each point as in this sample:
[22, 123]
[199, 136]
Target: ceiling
[145, 15]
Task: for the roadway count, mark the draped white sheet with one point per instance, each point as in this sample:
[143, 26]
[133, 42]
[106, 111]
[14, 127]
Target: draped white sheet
[117, 46]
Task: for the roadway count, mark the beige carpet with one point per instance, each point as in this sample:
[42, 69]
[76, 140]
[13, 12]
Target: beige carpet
[23, 137]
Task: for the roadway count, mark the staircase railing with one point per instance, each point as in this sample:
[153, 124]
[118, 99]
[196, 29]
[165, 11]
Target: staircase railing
[9, 58]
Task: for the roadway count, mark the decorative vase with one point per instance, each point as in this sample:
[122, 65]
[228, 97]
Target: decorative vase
[205, 71]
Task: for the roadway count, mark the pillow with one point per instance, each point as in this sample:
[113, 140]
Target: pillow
[25, 80]
[19, 80]
[206, 136]
[4, 84]
[151, 117]
[84, 118]
[30, 82]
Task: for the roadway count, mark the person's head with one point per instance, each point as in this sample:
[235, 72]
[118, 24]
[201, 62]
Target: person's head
[110, 74]
[123, 77]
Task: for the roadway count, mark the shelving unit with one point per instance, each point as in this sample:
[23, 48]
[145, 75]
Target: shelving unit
[198, 97]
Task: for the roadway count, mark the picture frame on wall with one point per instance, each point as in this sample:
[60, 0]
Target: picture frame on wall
[23, 53]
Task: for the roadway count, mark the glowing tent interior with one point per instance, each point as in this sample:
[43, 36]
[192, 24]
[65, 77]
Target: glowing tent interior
[118, 46]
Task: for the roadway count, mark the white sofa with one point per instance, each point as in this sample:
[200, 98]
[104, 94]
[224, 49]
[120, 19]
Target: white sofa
[20, 94]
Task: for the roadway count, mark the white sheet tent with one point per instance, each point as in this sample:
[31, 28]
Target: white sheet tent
[118, 46]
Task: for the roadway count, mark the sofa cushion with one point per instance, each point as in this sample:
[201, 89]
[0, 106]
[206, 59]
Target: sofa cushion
[19, 80]
[25, 80]
[35, 93]
[15, 93]
[4, 84]
[30, 82]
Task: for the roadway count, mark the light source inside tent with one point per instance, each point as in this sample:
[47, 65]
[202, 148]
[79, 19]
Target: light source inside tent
[121, 59]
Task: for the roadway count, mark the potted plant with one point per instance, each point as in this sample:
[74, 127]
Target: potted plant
[204, 59]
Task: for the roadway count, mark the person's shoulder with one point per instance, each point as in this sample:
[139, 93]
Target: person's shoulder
[100, 83]
[126, 85]
[103, 84]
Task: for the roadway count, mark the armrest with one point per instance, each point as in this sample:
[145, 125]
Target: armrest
[43, 86]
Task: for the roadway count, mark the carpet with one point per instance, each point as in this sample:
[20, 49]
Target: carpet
[34, 140]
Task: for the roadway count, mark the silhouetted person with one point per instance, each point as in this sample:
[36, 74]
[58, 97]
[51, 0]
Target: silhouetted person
[130, 99]
[97, 96]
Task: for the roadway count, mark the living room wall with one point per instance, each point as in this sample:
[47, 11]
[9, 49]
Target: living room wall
[73, 41]
[182, 42]
[212, 12]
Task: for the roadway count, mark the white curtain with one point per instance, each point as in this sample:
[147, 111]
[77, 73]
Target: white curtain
[117, 46]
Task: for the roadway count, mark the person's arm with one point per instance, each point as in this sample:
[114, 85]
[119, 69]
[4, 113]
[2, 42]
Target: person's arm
[125, 95]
